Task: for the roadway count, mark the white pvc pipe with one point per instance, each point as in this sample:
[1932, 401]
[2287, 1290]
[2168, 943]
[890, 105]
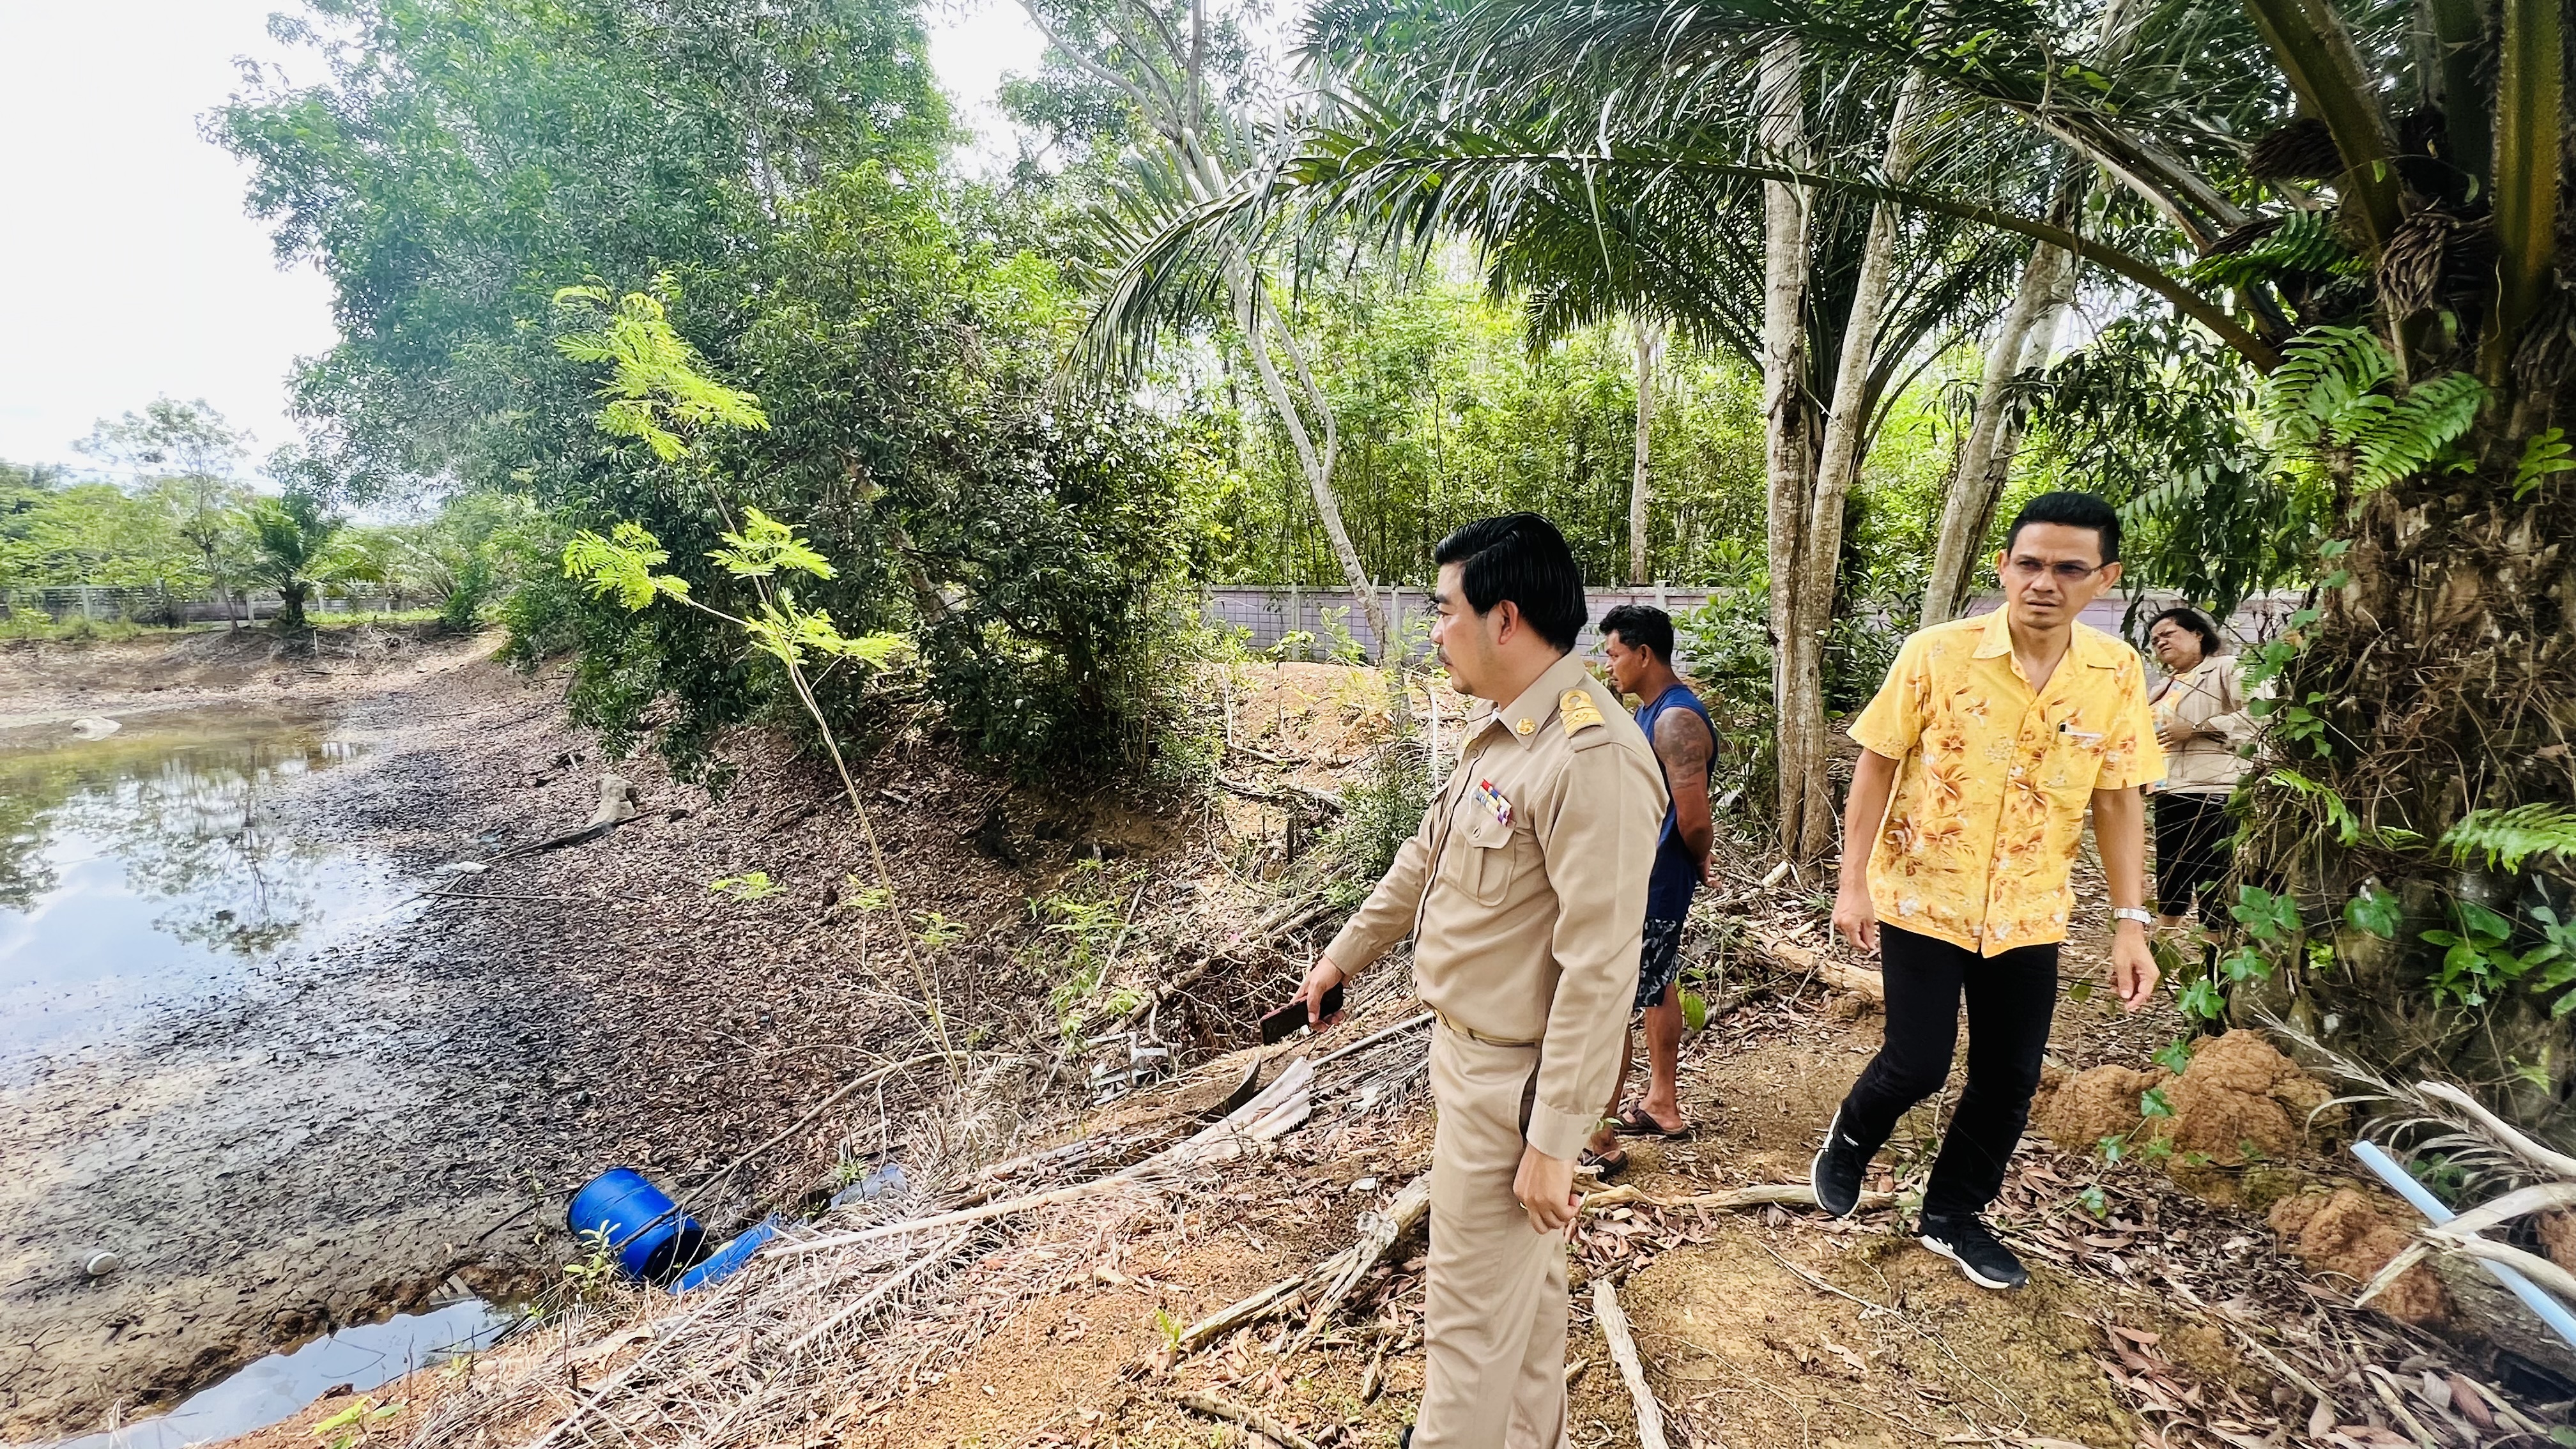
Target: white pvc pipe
[2549, 1309]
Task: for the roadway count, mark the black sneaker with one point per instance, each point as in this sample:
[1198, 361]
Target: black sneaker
[1965, 1241]
[1837, 1170]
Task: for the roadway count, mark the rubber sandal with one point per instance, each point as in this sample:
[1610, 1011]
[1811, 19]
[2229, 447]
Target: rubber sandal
[1609, 1168]
[1632, 1121]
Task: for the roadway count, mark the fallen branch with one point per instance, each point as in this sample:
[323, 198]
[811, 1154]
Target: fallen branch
[801, 1123]
[1249, 1417]
[1623, 1352]
[1333, 1278]
[962, 1216]
[1373, 1038]
[1784, 1194]
[1867, 982]
[1265, 1118]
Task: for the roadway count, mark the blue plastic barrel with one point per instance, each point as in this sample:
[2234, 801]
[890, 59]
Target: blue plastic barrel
[644, 1228]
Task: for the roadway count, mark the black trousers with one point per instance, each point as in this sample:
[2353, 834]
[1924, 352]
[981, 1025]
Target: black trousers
[2192, 839]
[2010, 1000]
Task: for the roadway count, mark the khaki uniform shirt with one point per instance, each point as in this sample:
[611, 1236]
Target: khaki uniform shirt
[1526, 929]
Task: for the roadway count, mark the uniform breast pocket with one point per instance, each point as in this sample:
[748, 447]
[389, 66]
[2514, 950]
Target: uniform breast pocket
[1483, 860]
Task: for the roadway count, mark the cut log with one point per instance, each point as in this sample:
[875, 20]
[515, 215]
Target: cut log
[1862, 979]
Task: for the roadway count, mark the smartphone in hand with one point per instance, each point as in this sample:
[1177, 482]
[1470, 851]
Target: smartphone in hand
[1276, 1025]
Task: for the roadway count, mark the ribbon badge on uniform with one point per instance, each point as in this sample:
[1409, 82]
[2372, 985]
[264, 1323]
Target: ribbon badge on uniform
[1494, 801]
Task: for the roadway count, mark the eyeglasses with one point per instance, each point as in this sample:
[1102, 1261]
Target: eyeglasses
[2028, 570]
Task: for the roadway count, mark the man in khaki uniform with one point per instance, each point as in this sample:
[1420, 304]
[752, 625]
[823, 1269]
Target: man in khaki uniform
[1525, 892]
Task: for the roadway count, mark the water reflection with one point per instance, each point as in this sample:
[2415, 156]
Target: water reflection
[280, 1385]
[146, 866]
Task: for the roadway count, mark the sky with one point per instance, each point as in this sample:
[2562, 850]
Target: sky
[128, 267]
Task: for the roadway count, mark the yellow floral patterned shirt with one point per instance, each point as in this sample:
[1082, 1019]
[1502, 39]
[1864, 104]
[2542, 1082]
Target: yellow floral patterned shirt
[1993, 780]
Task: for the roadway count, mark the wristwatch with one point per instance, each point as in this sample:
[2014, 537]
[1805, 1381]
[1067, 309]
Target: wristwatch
[2139, 914]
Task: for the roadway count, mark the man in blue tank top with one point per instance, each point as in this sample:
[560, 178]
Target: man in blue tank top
[1638, 643]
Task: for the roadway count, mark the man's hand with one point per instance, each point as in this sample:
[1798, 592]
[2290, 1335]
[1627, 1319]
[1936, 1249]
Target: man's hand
[1323, 976]
[1855, 919]
[1545, 1186]
[2133, 966]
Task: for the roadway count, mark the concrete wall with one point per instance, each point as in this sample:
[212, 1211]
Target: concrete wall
[1271, 614]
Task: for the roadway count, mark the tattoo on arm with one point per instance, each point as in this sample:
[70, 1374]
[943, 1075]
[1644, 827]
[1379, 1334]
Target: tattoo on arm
[1682, 742]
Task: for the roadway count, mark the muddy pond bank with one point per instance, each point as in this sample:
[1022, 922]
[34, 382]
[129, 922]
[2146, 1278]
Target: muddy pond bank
[231, 1061]
[390, 1115]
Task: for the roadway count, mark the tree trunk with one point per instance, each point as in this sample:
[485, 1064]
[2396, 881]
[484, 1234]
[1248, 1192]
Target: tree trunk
[1819, 551]
[1650, 351]
[1789, 423]
[1986, 453]
[2443, 672]
[1253, 312]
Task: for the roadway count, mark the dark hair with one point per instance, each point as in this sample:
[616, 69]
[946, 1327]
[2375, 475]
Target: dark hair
[1520, 557]
[2211, 646]
[2072, 510]
[1641, 626]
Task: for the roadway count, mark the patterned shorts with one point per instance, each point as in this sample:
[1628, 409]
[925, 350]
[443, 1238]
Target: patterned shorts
[1660, 963]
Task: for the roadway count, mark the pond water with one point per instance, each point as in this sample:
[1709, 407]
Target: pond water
[279, 1385]
[145, 870]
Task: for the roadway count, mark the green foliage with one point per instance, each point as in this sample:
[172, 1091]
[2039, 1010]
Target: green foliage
[2153, 415]
[2477, 960]
[2307, 242]
[2174, 1055]
[2546, 453]
[2266, 917]
[2507, 838]
[751, 886]
[299, 547]
[2335, 388]
[657, 390]
[2375, 911]
[2152, 1104]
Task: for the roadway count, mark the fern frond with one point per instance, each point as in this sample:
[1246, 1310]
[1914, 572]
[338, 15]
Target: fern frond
[2397, 436]
[2308, 242]
[2509, 837]
[2542, 456]
[2324, 374]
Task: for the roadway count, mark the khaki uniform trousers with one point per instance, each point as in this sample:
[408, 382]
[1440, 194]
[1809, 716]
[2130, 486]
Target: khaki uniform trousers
[1494, 1309]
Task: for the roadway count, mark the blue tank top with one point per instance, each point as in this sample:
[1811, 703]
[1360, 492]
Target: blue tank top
[1675, 878]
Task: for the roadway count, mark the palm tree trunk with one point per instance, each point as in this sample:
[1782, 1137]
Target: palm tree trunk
[1650, 350]
[1789, 423]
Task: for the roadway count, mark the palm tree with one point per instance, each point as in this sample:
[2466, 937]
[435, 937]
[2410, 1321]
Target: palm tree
[297, 548]
[2366, 209]
[1837, 299]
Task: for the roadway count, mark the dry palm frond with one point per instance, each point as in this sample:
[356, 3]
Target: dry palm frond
[2303, 150]
[2435, 1117]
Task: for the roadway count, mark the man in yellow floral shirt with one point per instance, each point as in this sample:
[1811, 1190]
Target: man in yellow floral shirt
[1979, 758]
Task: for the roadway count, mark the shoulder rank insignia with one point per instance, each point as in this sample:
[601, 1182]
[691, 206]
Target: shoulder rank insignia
[1575, 707]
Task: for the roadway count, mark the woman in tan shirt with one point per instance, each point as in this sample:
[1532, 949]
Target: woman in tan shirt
[2201, 721]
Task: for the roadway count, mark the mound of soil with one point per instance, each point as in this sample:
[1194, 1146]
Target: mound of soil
[2094, 1104]
[2240, 1105]
[2558, 1237]
[2348, 1233]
